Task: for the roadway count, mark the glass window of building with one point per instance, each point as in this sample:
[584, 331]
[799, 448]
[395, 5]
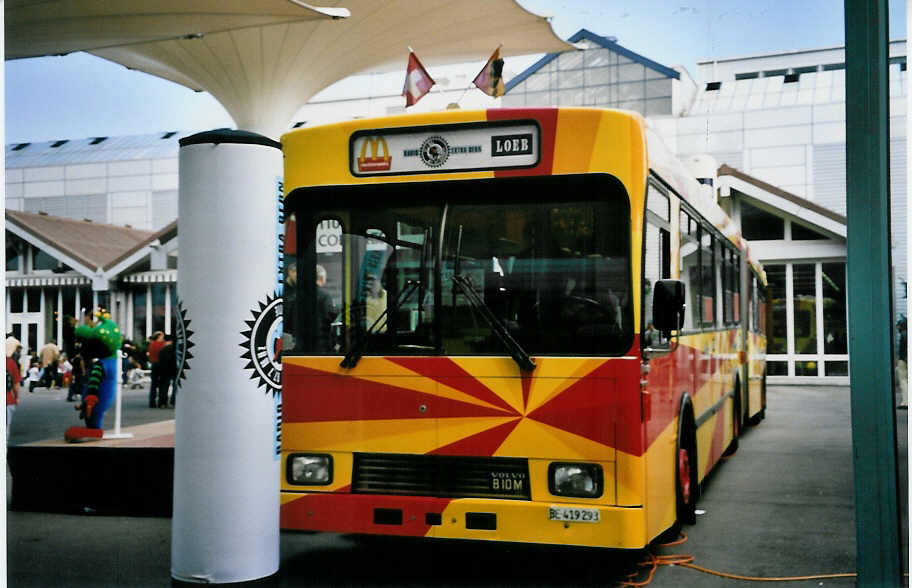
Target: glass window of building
[759, 225]
[43, 261]
[777, 335]
[50, 314]
[806, 368]
[33, 296]
[14, 255]
[158, 307]
[804, 303]
[139, 313]
[802, 233]
[835, 338]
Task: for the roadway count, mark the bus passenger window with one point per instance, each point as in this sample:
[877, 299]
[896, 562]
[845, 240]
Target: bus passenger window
[327, 284]
[708, 278]
[655, 267]
[689, 270]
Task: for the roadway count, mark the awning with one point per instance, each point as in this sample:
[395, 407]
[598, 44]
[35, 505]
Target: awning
[48, 281]
[263, 59]
[151, 277]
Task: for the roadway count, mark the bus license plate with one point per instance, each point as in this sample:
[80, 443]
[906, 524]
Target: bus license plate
[573, 515]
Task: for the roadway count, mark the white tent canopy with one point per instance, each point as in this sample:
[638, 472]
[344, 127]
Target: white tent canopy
[263, 59]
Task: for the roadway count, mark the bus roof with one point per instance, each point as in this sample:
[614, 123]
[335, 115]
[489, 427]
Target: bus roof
[471, 131]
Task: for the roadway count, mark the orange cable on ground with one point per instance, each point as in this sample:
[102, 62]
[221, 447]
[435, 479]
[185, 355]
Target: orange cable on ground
[653, 561]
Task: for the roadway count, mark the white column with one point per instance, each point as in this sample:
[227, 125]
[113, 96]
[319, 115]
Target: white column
[167, 309]
[78, 313]
[225, 430]
[41, 320]
[129, 325]
[60, 316]
[818, 305]
[94, 300]
[790, 317]
[148, 311]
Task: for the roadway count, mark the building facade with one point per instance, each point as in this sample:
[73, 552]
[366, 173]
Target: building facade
[59, 268]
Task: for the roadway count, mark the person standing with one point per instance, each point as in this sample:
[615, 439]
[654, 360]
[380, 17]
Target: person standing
[167, 370]
[64, 367]
[79, 373]
[156, 342]
[47, 357]
[13, 348]
[34, 375]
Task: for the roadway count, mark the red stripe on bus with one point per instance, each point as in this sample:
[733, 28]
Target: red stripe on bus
[354, 513]
[446, 371]
[547, 120]
[603, 406]
[484, 443]
[321, 397]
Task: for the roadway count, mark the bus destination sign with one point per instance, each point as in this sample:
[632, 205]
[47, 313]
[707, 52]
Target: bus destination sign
[444, 149]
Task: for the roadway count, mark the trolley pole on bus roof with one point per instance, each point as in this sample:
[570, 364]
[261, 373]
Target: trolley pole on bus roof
[869, 292]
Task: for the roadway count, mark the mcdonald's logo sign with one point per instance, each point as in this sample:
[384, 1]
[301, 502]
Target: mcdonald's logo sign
[375, 162]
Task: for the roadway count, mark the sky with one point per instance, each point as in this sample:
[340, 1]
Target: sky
[79, 95]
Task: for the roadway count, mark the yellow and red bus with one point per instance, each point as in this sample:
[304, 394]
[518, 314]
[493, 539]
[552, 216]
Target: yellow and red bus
[528, 325]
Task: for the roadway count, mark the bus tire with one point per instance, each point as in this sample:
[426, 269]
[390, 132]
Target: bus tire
[755, 420]
[736, 418]
[686, 479]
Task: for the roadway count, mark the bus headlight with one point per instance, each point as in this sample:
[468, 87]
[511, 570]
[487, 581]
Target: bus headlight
[582, 480]
[309, 470]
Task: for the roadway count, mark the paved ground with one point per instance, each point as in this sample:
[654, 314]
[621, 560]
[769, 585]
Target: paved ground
[783, 506]
[45, 414]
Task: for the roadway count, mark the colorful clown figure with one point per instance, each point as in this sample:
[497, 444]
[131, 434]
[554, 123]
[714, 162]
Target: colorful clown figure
[100, 343]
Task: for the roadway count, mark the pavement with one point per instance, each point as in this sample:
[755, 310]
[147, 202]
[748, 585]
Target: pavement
[782, 506]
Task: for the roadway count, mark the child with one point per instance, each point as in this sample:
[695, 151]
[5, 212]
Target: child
[34, 375]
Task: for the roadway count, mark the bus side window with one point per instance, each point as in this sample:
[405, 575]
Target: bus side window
[730, 285]
[752, 304]
[326, 302]
[736, 285]
[690, 270]
[656, 266]
[708, 279]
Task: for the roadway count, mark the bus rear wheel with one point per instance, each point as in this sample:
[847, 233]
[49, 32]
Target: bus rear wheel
[755, 420]
[686, 472]
[736, 421]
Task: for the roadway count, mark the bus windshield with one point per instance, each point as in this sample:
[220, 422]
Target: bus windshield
[524, 267]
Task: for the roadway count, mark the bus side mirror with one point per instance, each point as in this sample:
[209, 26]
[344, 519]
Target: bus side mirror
[668, 306]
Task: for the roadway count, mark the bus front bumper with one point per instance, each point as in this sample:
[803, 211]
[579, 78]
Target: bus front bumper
[466, 518]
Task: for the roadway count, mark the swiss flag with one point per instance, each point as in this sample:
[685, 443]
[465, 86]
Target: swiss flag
[417, 81]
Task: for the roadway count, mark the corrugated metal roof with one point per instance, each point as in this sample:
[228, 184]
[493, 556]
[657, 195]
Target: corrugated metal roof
[92, 244]
[76, 151]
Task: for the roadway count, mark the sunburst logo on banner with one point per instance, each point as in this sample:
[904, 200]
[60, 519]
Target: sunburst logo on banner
[262, 345]
[182, 343]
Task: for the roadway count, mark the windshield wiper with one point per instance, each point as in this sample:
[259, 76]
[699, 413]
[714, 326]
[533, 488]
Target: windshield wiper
[360, 345]
[519, 355]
